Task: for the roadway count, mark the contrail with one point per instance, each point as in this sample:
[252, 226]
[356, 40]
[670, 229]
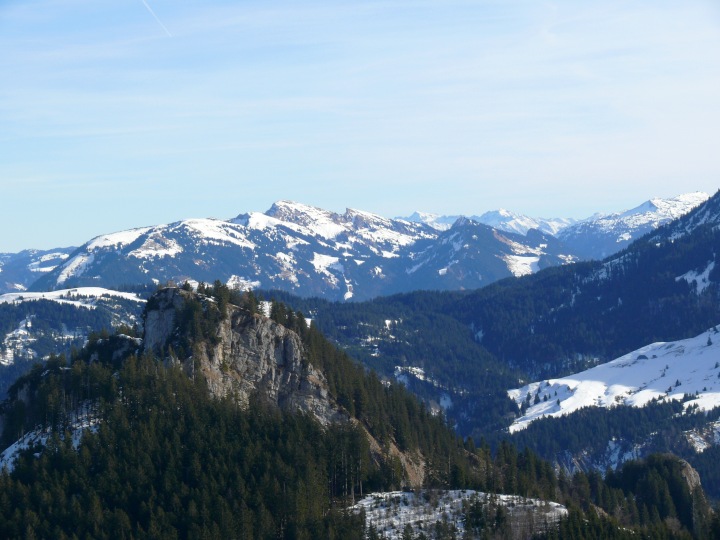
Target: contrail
[156, 18]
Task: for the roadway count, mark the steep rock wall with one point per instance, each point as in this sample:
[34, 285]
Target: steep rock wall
[248, 356]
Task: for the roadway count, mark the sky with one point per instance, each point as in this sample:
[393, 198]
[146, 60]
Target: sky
[128, 113]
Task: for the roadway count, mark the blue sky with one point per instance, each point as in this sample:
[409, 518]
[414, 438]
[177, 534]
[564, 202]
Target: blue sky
[129, 113]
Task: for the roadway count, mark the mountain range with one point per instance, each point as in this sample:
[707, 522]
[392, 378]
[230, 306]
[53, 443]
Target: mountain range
[351, 256]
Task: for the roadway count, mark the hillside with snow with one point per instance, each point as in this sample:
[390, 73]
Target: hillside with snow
[18, 271]
[36, 324]
[686, 370]
[393, 514]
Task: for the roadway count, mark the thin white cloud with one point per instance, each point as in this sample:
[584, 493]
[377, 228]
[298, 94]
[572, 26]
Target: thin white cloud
[490, 100]
[156, 18]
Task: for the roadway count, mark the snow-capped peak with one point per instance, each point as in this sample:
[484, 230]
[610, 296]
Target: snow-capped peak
[658, 209]
[501, 219]
[320, 222]
[508, 221]
[602, 235]
[436, 221]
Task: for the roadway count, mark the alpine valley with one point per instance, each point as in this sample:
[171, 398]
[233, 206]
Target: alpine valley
[301, 373]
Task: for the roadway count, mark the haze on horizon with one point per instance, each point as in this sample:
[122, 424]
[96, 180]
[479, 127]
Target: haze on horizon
[138, 112]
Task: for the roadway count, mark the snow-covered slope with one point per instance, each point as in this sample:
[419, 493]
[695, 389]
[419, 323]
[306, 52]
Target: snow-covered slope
[686, 370]
[19, 270]
[82, 296]
[309, 251]
[35, 324]
[393, 513]
[602, 235]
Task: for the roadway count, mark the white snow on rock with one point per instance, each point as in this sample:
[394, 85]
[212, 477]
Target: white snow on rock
[319, 222]
[701, 280]
[242, 284]
[85, 420]
[216, 230]
[75, 267]
[686, 370]
[522, 265]
[649, 215]
[323, 262]
[117, 239]
[157, 246]
[703, 438]
[391, 512]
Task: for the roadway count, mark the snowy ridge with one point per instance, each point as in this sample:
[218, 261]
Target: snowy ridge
[503, 220]
[602, 235]
[19, 270]
[315, 252]
[309, 251]
[658, 210]
[436, 221]
[29, 341]
[80, 296]
[652, 213]
[686, 370]
[507, 221]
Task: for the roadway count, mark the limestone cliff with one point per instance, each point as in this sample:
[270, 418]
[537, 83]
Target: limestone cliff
[247, 355]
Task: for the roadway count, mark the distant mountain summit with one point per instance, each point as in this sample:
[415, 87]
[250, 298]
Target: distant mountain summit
[596, 237]
[18, 271]
[502, 219]
[602, 235]
[308, 251]
[436, 221]
[511, 222]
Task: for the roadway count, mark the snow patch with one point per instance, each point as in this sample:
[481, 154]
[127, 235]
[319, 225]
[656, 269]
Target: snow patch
[241, 283]
[701, 280]
[75, 267]
[522, 265]
[391, 512]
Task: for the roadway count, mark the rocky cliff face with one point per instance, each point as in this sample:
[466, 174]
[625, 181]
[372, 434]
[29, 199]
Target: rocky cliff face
[248, 356]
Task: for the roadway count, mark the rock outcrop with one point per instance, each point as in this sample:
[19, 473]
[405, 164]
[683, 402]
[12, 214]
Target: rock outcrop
[248, 356]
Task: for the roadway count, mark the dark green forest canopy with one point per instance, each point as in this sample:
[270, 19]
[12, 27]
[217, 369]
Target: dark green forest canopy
[167, 460]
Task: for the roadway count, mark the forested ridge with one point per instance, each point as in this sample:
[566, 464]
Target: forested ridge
[167, 460]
